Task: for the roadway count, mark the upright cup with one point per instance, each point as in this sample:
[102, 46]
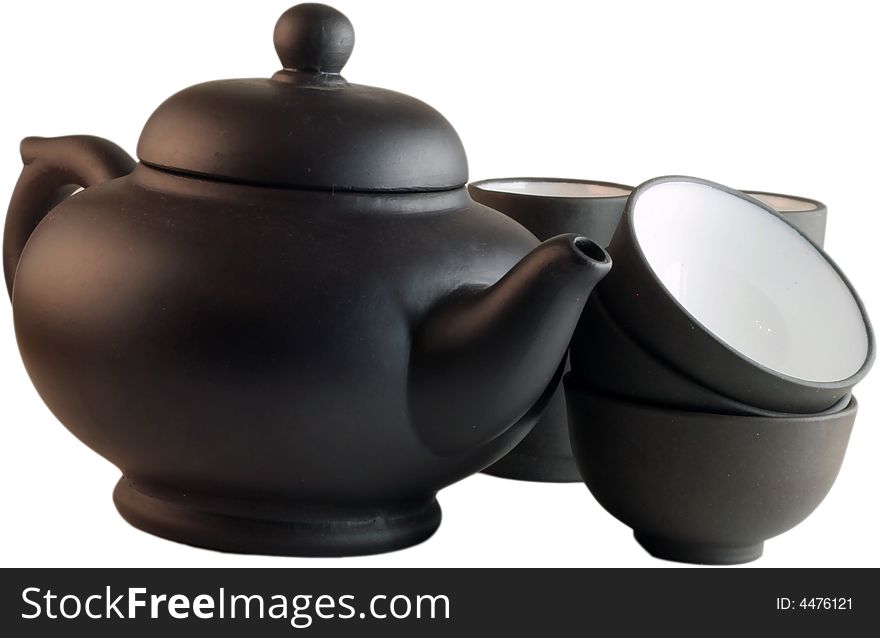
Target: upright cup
[549, 207]
[700, 487]
[807, 215]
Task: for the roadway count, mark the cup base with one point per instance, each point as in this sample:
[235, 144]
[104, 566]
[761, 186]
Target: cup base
[537, 469]
[704, 554]
[544, 455]
[247, 527]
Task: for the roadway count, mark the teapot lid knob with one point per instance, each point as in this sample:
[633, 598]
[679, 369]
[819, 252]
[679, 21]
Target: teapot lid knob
[313, 38]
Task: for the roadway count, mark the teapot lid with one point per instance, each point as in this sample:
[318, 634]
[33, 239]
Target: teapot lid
[306, 126]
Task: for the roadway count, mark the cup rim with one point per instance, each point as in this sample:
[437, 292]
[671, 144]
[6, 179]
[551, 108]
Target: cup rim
[483, 183]
[844, 405]
[815, 205]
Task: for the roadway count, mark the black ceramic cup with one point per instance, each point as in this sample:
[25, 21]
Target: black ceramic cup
[807, 215]
[706, 488]
[721, 288]
[605, 358]
[547, 207]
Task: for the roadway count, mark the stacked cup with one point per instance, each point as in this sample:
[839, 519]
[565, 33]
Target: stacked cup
[709, 400]
[710, 394]
[549, 206]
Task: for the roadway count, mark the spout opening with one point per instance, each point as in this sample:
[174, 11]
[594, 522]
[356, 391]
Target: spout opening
[590, 250]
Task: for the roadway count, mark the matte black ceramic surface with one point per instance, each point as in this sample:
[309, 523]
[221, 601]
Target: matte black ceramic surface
[807, 215]
[355, 138]
[280, 370]
[699, 487]
[550, 206]
[607, 359]
[589, 208]
[639, 302]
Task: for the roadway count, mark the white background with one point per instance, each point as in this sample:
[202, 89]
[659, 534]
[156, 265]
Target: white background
[779, 96]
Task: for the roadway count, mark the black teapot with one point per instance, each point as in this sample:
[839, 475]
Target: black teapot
[287, 324]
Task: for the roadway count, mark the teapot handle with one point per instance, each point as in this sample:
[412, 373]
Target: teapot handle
[54, 168]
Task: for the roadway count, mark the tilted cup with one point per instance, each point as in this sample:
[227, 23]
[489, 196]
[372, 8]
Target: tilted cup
[720, 287]
[605, 358]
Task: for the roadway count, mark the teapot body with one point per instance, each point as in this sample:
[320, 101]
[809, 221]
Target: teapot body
[288, 325]
[232, 339]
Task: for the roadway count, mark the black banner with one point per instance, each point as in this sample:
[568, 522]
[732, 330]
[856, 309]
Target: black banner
[422, 602]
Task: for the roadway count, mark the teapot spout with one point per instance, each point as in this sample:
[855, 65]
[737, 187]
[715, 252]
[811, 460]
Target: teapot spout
[484, 356]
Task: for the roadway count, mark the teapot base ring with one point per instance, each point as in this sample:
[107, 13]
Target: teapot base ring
[704, 554]
[311, 531]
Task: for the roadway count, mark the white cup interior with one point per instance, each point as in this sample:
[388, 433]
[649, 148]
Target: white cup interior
[554, 188]
[784, 203]
[752, 280]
